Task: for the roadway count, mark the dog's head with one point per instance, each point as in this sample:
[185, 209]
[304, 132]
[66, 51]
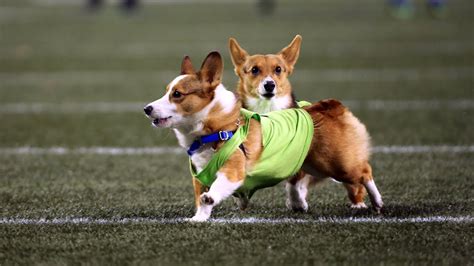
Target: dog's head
[265, 76]
[189, 95]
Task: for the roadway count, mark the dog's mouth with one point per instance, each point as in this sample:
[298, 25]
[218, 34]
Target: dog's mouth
[268, 95]
[160, 121]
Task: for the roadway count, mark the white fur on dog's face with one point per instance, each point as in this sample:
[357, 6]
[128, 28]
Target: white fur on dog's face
[164, 112]
[263, 94]
[191, 110]
[262, 105]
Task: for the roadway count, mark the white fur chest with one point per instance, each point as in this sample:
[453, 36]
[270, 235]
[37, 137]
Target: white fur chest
[263, 106]
[202, 158]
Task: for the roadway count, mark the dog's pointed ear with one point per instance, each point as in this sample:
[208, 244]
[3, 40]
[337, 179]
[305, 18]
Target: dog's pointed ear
[211, 69]
[187, 66]
[291, 52]
[237, 54]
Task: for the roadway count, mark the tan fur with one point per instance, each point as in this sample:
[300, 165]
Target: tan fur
[340, 145]
[267, 64]
[198, 190]
[339, 148]
[357, 141]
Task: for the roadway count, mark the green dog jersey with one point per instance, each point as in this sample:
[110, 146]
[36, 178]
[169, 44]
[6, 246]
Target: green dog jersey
[287, 136]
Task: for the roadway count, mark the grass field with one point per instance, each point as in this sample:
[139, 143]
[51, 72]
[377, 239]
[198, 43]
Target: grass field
[72, 79]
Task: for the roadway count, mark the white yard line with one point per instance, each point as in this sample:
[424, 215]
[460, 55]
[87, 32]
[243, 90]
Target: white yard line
[322, 220]
[91, 150]
[179, 151]
[394, 149]
[84, 107]
[160, 2]
[302, 75]
[136, 107]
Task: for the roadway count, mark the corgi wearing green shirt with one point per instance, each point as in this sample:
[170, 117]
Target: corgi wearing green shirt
[233, 151]
[263, 87]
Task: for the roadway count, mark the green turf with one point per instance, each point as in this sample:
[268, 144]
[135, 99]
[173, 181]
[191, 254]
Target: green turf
[159, 186]
[144, 86]
[134, 129]
[140, 186]
[352, 50]
[240, 244]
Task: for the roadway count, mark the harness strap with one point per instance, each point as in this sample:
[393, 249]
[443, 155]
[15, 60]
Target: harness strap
[221, 135]
[208, 174]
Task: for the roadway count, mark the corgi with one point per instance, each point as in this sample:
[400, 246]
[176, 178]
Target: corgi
[263, 79]
[208, 121]
[263, 87]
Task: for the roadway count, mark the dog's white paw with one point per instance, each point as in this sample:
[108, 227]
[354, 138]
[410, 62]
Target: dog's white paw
[359, 205]
[297, 206]
[199, 218]
[206, 199]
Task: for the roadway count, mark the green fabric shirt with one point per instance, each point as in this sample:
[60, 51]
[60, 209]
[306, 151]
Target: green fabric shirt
[286, 137]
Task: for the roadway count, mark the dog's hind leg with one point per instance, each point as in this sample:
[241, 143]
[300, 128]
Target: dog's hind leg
[242, 201]
[297, 190]
[356, 194]
[369, 184]
[358, 183]
[374, 194]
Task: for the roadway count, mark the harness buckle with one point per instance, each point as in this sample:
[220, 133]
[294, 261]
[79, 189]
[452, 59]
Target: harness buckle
[224, 135]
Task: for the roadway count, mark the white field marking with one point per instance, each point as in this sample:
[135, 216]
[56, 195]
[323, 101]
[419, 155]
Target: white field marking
[115, 107]
[142, 49]
[92, 150]
[251, 220]
[301, 75]
[73, 107]
[459, 104]
[162, 2]
[394, 149]
[181, 151]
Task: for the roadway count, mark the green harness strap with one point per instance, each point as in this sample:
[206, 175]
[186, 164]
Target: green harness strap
[208, 175]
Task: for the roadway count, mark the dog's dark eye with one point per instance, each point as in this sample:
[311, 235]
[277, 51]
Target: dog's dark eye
[255, 70]
[176, 94]
[278, 70]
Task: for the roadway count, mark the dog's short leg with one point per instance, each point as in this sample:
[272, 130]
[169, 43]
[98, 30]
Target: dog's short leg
[374, 194]
[369, 184]
[242, 202]
[356, 194]
[198, 189]
[297, 189]
[220, 190]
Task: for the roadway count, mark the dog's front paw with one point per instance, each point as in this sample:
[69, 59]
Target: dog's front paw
[207, 199]
[297, 206]
[359, 205]
[199, 218]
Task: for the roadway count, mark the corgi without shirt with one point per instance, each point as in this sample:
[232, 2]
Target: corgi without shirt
[196, 104]
[264, 87]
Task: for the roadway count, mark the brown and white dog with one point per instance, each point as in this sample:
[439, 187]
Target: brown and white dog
[197, 104]
[263, 79]
[264, 87]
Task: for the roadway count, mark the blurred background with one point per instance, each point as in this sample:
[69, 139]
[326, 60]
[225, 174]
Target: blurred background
[77, 73]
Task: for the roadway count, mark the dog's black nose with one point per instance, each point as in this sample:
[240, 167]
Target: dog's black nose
[269, 86]
[148, 109]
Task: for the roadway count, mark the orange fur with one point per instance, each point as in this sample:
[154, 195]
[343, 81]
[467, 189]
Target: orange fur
[340, 146]
[287, 57]
[267, 65]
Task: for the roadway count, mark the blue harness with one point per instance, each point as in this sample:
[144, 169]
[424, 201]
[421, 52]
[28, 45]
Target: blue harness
[221, 135]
